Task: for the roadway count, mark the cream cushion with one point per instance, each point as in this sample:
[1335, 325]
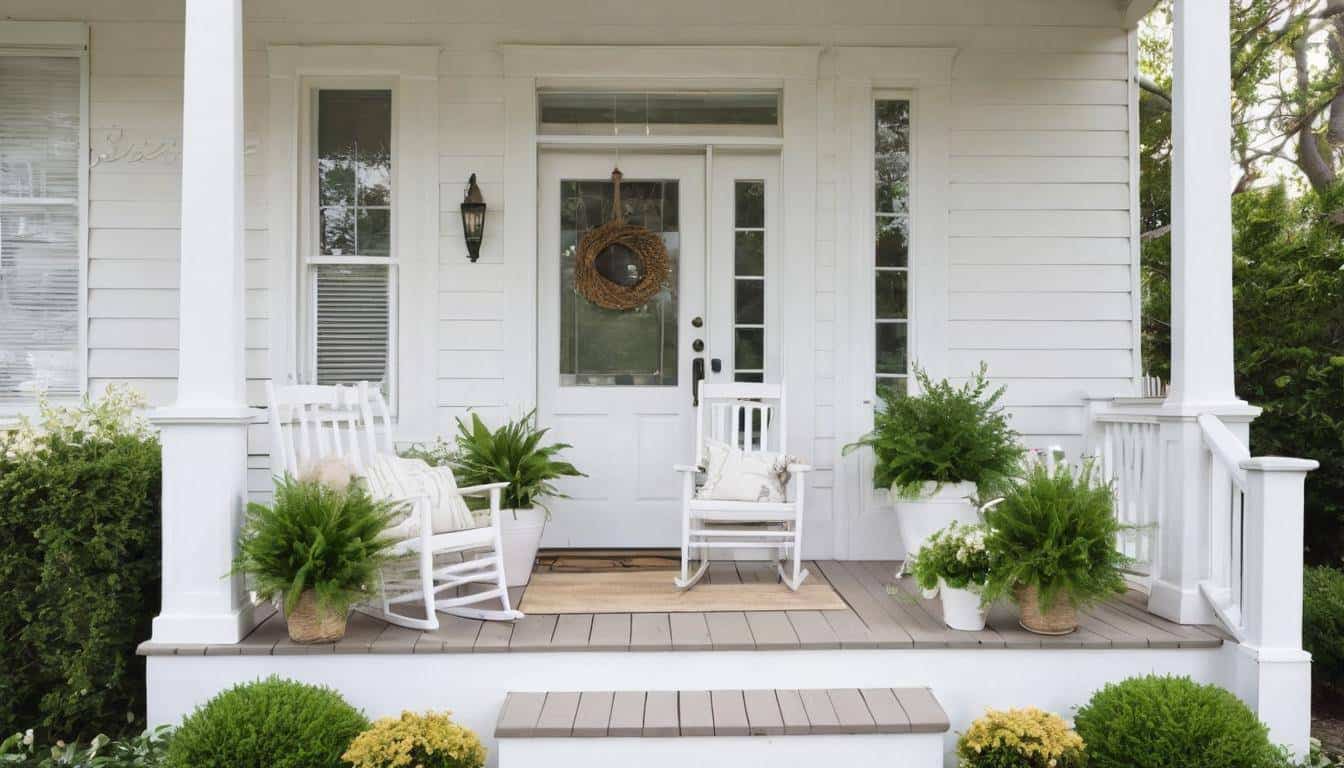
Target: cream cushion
[394, 477]
[734, 475]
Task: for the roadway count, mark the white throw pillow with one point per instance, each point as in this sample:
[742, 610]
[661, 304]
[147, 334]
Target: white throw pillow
[733, 475]
[394, 477]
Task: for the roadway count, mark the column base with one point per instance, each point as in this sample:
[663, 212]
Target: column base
[1276, 684]
[204, 492]
[1183, 606]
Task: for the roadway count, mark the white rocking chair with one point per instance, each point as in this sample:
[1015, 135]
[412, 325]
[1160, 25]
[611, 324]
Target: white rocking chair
[310, 423]
[749, 417]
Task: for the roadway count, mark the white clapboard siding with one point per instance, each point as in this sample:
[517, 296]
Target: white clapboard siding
[1040, 250]
[999, 143]
[1042, 278]
[992, 197]
[1045, 363]
[1044, 170]
[1038, 223]
[993, 65]
[1040, 334]
[1025, 305]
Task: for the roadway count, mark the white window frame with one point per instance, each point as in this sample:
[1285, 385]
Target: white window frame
[870, 262]
[310, 250]
[411, 73]
[60, 39]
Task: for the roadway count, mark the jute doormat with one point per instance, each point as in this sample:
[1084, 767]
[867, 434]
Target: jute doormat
[647, 591]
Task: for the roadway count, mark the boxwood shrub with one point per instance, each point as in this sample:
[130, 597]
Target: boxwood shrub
[1323, 626]
[271, 723]
[1172, 722]
[79, 561]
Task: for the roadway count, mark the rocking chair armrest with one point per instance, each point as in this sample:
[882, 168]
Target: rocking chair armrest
[795, 468]
[687, 468]
[477, 490]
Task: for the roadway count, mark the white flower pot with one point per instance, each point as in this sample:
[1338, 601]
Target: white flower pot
[961, 608]
[521, 531]
[931, 510]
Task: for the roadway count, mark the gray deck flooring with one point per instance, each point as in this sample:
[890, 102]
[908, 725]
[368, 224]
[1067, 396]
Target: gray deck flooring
[883, 613]
[720, 713]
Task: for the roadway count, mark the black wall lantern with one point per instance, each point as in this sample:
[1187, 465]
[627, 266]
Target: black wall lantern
[473, 219]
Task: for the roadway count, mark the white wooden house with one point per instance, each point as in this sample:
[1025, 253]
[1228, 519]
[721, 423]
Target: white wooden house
[201, 197]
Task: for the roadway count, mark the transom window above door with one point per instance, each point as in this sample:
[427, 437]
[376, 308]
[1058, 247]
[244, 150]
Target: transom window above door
[659, 113]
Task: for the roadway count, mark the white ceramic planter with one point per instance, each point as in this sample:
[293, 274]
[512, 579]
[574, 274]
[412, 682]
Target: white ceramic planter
[931, 510]
[961, 608]
[521, 530]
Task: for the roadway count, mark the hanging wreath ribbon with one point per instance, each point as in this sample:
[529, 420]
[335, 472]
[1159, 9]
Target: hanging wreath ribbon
[646, 247]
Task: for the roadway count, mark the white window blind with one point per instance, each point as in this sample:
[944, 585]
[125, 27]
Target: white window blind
[40, 198]
[352, 274]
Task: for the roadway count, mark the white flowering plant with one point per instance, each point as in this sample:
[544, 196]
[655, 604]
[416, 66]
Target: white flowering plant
[957, 555]
[117, 414]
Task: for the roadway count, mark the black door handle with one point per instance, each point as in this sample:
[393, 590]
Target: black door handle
[697, 376]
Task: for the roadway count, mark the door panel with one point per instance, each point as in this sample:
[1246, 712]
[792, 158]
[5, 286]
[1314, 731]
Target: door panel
[617, 384]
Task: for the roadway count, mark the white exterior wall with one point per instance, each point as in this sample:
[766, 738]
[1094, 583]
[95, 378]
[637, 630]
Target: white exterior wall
[1041, 268]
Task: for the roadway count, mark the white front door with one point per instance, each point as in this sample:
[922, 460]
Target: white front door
[617, 385]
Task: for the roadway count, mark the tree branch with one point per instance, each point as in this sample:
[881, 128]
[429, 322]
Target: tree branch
[1150, 85]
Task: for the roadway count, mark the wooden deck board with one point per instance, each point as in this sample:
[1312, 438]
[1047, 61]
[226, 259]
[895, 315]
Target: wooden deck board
[882, 612]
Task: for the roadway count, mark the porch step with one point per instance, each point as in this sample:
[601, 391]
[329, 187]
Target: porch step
[900, 727]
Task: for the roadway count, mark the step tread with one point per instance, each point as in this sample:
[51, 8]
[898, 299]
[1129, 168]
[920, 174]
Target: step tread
[766, 712]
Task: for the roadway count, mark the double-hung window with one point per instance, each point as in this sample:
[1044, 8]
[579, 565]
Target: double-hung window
[43, 169]
[350, 269]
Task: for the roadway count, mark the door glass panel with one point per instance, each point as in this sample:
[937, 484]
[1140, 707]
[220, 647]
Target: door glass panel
[604, 347]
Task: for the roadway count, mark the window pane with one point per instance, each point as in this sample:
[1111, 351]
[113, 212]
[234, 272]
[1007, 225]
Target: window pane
[602, 347]
[663, 113]
[748, 376]
[891, 295]
[39, 226]
[749, 203]
[894, 384]
[891, 200]
[354, 168]
[891, 347]
[749, 302]
[892, 242]
[352, 324]
[749, 349]
[749, 254]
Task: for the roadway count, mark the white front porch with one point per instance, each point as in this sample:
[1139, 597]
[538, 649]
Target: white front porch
[1228, 526]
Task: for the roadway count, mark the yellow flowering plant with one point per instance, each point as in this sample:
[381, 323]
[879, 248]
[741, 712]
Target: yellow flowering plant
[1020, 738]
[414, 740]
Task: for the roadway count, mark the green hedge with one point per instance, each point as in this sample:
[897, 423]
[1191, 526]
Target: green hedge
[79, 558]
[1323, 625]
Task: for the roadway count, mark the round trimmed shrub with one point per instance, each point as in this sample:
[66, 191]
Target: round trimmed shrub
[1323, 624]
[1172, 722]
[271, 723]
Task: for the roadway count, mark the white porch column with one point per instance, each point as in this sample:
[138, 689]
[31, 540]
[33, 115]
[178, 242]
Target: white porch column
[1201, 302]
[1273, 672]
[205, 432]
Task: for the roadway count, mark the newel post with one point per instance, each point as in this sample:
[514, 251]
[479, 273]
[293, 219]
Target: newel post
[204, 432]
[1274, 673]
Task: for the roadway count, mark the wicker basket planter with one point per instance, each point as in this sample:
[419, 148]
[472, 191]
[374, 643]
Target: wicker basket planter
[307, 624]
[1060, 619]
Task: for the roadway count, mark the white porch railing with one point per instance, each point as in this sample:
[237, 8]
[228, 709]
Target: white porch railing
[1225, 586]
[1126, 447]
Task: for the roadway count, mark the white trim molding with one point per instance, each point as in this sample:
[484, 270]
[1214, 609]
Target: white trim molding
[638, 62]
[864, 74]
[412, 72]
[69, 38]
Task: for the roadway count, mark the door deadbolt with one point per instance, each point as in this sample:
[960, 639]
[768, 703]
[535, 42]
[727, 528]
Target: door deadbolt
[697, 321]
[698, 345]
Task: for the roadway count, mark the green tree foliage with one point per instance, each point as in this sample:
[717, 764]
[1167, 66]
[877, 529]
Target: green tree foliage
[1323, 625]
[1289, 321]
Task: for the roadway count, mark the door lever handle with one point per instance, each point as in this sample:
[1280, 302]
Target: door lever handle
[697, 376]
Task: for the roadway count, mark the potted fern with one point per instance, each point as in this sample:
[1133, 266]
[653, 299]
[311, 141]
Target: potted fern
[1052, 542]
[935, 451]
[317, 549]
[514, 454]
